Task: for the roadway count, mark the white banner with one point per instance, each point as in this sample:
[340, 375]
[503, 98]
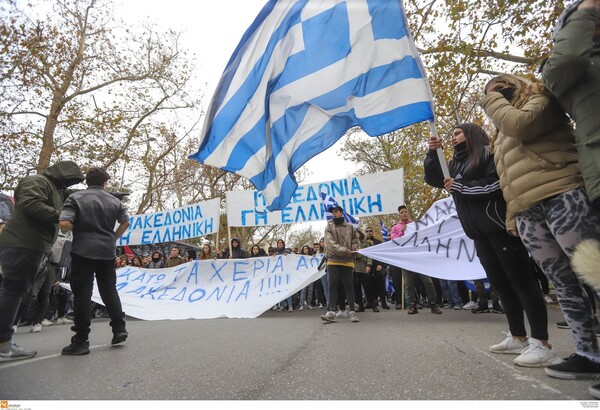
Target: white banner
[374, 194]
[435, 245]
[191, 221]
[207, 289]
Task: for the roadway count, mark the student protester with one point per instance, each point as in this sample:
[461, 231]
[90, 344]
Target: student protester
[376, 271]
[157, 261]
[362, 281]
[92, 215]
[26, 241]
[206, 252]
[237, 252]
[341, 244]
[475, 188]
[174, 258]
[409, 276]
[537, 162]
[257, 252]
[306, 294]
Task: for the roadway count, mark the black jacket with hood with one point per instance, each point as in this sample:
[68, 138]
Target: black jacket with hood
[38, 202]
[236, 252]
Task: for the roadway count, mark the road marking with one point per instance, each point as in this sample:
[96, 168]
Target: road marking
[520, 376]
[38, 359]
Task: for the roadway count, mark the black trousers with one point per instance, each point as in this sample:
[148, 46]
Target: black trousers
[82, 285]
[361, 279]
[506, 263]
[19, 267]
[337, 274]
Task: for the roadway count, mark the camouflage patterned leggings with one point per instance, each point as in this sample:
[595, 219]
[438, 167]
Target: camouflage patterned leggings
[550, 231]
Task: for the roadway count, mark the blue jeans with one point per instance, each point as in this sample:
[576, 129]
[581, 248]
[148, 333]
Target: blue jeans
[450, 289]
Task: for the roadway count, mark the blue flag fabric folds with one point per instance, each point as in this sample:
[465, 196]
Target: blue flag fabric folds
[385, 234]
[328, 202]
[303, 74]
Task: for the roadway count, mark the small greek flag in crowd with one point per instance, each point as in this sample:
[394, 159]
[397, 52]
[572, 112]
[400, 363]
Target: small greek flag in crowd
[303, 74]
[385, 234]
[328, 202]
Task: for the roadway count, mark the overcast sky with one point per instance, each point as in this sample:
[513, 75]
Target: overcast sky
[211, 30]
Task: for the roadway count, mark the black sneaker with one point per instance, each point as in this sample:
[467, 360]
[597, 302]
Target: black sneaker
[481, 309]
[575, 367]
[119, 337]
[76, 349]
[496, 308]
[562, 325]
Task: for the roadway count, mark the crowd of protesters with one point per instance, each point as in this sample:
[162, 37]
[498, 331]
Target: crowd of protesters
[528, 195]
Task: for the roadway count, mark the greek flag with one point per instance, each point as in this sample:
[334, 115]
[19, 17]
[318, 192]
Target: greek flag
[303, 74]
[385, 234]
[328, 202]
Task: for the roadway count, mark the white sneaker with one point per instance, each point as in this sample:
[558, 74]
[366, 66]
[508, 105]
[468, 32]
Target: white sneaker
[320, 306]
[63, 321]
[509, 345]
[290, 309]
[36, 328]
[535, 355]
[353, 317]
[15, 328]
[301, 307]
[310, 307]
[329, 317]
[470, 305]
[341, 314]
[47, 322]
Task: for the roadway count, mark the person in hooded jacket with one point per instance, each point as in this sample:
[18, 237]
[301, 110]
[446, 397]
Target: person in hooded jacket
[237, 252]
[27, 240]
[475, 188]
[572, 74]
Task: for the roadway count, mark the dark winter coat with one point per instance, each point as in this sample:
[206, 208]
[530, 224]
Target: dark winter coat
[38, 202]
[572, 73]
[476, 191]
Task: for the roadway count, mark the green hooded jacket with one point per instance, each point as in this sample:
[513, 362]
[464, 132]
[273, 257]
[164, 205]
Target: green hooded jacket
[38, 202]
[572, 73]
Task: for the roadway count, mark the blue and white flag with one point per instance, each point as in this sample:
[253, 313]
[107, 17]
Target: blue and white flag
[385, 234]
[304, 73]
[328, 202]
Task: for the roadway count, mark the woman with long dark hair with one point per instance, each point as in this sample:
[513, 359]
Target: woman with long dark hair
[481, 209]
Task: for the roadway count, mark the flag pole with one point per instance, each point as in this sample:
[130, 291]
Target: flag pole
[229, 237]
[440, 151]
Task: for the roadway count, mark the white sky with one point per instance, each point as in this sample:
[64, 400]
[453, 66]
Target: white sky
[211, 30]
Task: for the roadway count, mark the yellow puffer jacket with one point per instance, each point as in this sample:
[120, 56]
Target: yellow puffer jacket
[534, 152]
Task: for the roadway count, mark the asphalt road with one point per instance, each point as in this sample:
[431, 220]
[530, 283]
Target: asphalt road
[290, 356]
